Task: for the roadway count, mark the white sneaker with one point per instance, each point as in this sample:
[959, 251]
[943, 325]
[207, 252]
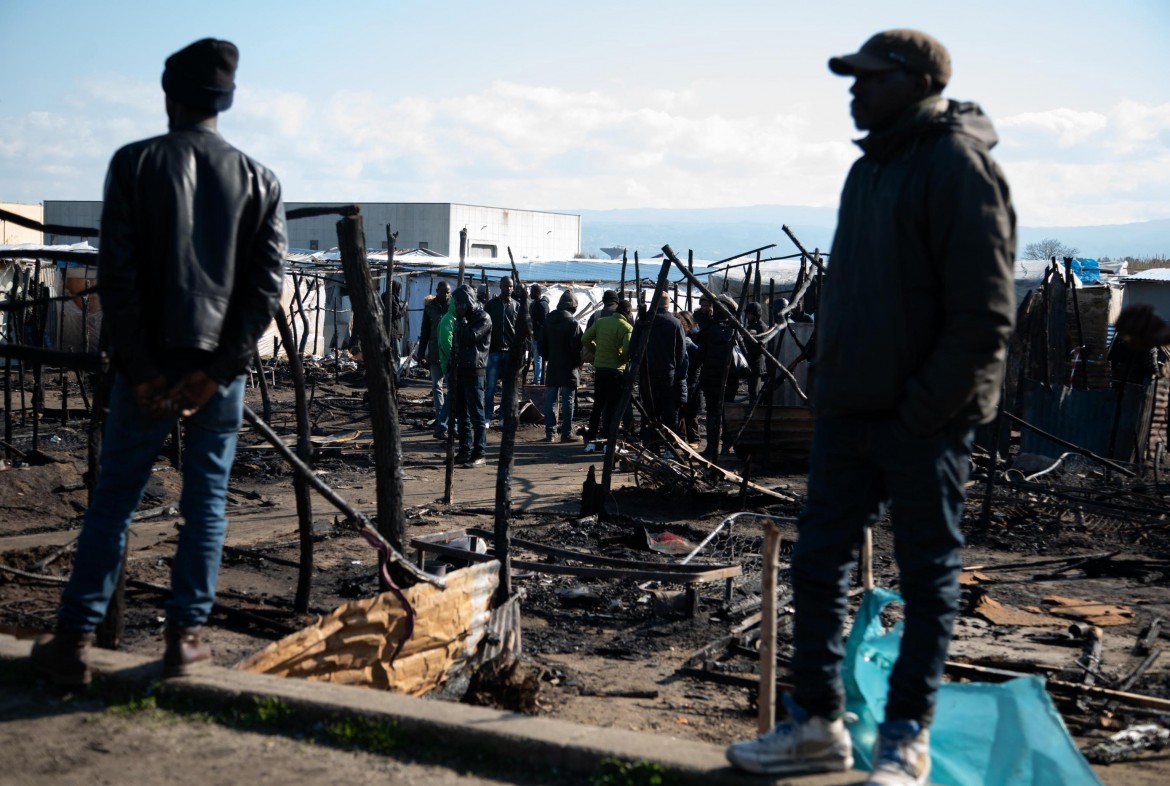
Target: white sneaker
[901, 755]
[799, 745]
[590, 447]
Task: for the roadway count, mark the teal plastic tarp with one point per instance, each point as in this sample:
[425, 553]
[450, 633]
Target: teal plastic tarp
[983, 734]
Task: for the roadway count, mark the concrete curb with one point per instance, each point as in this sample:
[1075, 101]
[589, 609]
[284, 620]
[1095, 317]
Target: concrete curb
[555, 743]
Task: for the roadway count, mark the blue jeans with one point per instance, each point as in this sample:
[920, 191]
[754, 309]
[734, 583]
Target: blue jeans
[537, 363]
[130, 443]
[439, 398]
[496, 363]
[469, 395]
[566, 395]
[860, 466]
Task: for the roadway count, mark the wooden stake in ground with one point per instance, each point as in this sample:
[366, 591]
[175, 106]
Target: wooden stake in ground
[767, 697]
[867, 559]
[367, 312]
[304, 500]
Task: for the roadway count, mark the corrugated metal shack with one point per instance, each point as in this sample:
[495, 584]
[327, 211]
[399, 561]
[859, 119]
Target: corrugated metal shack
[1067, 377]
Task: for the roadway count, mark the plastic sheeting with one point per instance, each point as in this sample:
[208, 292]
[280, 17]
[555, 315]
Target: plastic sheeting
[983, 734]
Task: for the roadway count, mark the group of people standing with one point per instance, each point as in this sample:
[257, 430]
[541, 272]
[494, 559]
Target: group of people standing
[689, 359]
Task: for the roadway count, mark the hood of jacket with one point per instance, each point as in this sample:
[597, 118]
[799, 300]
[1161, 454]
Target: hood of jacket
[468, 297]
[931, 116]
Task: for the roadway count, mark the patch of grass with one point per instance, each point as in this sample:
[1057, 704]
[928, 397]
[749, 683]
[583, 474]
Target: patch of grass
[615, 772]
[368, 734]
[133, 705]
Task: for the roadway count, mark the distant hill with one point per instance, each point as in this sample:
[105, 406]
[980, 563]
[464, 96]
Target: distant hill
[717, 233]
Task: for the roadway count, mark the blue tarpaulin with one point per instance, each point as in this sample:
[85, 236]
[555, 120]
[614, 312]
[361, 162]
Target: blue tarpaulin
[1087, 270]
[983, 734]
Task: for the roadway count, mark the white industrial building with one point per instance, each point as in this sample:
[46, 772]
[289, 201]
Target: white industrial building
[435, 226]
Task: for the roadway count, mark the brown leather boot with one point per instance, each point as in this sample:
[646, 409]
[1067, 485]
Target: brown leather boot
[185, 650]
[63, 658]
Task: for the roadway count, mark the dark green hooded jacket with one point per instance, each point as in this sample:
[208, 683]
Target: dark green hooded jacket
[919, 300]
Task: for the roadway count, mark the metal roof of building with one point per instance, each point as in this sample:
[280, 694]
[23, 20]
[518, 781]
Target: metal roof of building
[576, 270]
[1157, 274]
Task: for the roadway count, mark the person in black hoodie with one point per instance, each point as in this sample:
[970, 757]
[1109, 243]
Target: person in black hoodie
[473, 332]
[717, 374]
[560, 344]
[662, 376]
[538, 311]
[754, 314]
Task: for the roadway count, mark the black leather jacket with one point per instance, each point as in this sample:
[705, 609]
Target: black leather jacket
[192, 254]
[474, 333]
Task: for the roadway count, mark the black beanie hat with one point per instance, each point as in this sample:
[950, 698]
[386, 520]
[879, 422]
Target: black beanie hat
[202, 75]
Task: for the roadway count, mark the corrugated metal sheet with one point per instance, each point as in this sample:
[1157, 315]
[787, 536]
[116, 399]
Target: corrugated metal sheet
[576, 270]
[1084, 418]
[1161, 274]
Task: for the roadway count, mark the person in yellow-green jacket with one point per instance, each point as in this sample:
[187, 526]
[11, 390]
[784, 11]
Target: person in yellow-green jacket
[609, 340]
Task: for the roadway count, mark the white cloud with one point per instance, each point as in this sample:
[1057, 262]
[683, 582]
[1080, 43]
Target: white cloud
[546, 147]
[1083, 168]
[1068, 126]
[1140, 126]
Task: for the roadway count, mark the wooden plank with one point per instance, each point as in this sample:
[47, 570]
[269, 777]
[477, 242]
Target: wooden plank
[696, 577]
[679, 445]
[596, 559]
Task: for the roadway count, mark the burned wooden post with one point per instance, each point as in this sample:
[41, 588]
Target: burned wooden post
[300, 486]
[1082, 353]
[367, 309]
[109, 632]
[622, 283]
[637, 284]
[391, 322]
[453, 384]
[509, 421]
[262, 383]
[691, 268]
[767, 695]
[299, 304]
[8, 409]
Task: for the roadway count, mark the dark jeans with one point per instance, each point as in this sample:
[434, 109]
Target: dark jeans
[660, 400]
[567, 397]
[753, 376]
[439, 398]
[130, 445]
[469, 390]
[537, 362]
[858, 467]
[497, 371]
[607, 395]
[715, 409]
[690, 412]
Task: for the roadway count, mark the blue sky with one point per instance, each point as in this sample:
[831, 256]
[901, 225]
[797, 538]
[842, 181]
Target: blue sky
[595, 105]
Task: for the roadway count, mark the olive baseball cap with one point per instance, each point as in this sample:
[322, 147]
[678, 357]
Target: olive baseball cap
[891, 49]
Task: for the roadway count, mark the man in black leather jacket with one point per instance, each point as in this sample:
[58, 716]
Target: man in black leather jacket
[190, 273]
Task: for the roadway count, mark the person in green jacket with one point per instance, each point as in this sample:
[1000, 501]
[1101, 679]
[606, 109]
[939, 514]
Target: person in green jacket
[609, 340]
[913, 325]
[446, 334]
